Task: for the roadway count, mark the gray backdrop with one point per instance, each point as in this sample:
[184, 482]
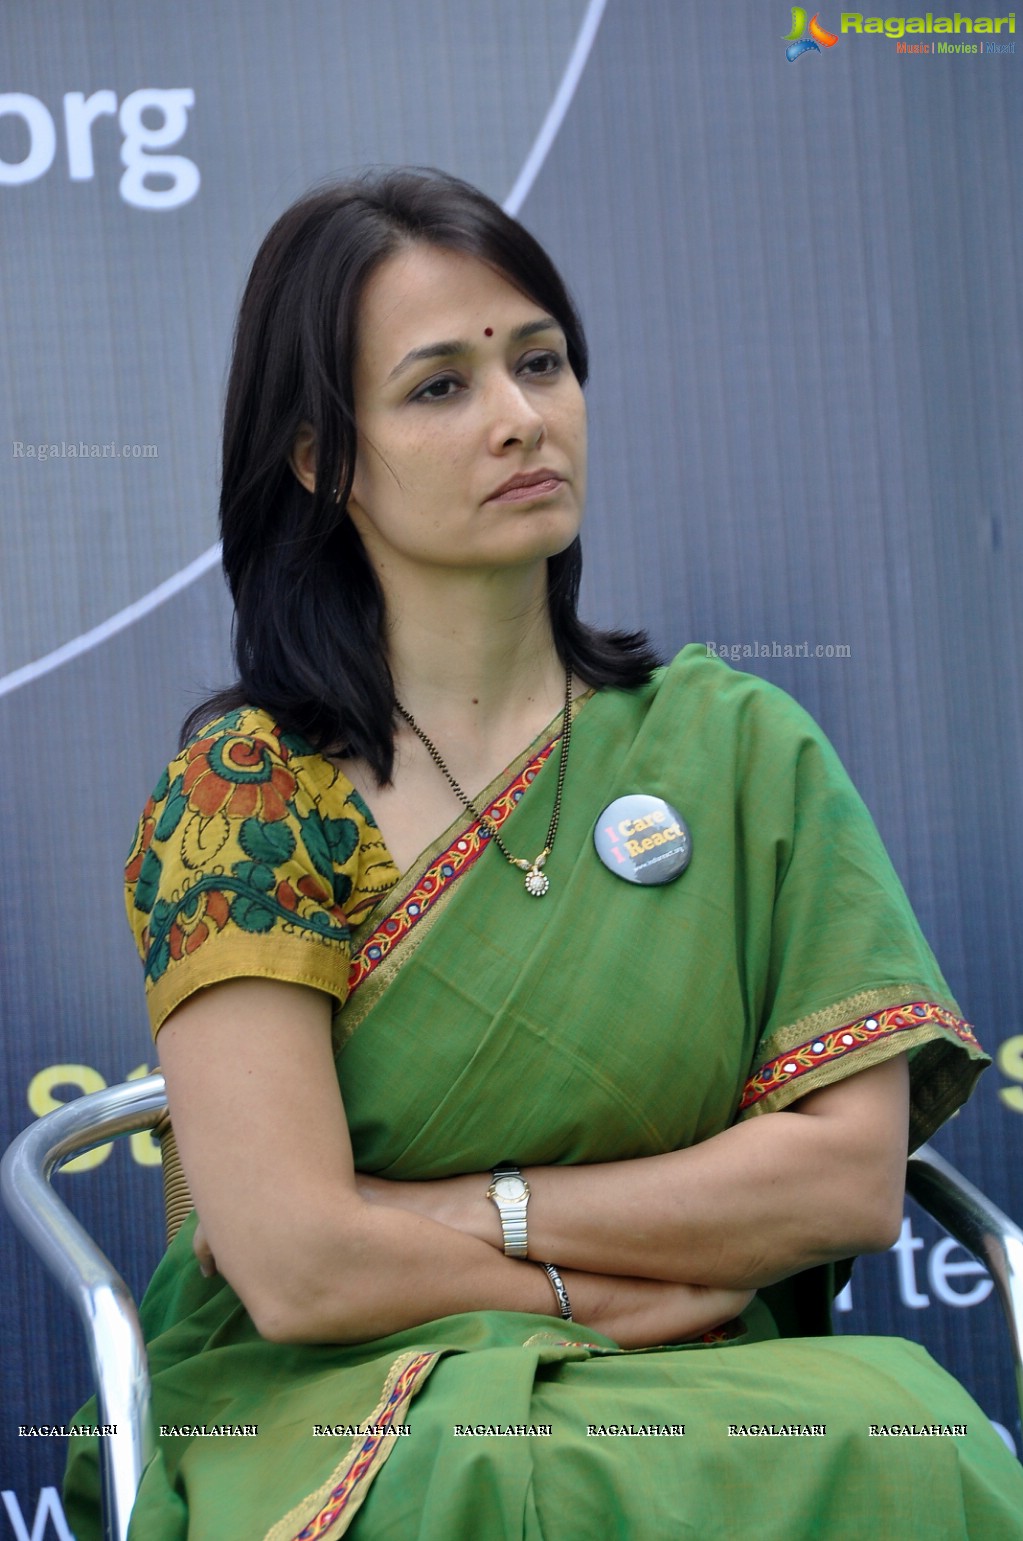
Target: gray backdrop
[801, 285]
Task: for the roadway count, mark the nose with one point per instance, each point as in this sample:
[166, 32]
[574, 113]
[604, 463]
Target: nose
[513, 415]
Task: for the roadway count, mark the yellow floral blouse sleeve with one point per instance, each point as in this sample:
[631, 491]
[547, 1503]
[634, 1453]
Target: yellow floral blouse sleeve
[253, 857]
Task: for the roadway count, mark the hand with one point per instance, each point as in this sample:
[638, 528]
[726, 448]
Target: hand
[643, 1313]
[635, 1312]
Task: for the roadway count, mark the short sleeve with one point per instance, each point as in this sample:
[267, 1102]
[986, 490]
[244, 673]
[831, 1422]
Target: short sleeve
[850, 980]
[252, 858]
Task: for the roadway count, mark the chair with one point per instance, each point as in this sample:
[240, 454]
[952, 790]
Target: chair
[111, 1322]
[103, 1301]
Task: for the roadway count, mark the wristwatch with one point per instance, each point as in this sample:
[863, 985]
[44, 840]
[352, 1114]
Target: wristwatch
[510, 1192]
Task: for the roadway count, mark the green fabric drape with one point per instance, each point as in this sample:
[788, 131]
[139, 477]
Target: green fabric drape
[603, 1022]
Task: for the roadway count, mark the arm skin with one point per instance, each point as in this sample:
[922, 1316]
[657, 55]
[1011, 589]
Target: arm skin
[265, 1147]
[753, 1204]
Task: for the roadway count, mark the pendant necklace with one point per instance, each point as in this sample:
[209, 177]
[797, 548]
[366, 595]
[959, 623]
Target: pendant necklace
[537, 881]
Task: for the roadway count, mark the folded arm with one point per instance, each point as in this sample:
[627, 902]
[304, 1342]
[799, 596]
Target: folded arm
[753, 1204]
[265, 1147]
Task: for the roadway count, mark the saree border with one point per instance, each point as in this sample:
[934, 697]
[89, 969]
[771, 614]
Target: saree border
[878, 1028]
[551, 1340]
[390, 934]
[338, 1499]
[441, 874]
[417, 899]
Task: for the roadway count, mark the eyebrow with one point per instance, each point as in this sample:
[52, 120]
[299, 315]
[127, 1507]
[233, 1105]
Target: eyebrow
[456, 349]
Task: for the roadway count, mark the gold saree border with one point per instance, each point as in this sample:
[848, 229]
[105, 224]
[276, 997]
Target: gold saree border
[866, 1025]
[548, 1339]
[337, 1500]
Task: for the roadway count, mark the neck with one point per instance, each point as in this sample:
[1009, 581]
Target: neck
[478, 661]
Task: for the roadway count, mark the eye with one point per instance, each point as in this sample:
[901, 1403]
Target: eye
[441, 388]
[541, 364]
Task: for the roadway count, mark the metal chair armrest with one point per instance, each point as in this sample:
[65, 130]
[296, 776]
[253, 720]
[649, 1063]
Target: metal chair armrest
[97, 1291]
[979, 1226]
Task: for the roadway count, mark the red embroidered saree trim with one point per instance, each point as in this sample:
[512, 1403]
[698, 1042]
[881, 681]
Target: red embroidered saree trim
[331, 1520]
[839, 1041]
[441, 874]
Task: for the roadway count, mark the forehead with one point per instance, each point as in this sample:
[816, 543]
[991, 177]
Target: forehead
[425, 294]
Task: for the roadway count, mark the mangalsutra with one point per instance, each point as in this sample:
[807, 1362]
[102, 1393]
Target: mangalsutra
[537, 881]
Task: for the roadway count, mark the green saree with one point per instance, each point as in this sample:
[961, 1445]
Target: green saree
[606, 1021]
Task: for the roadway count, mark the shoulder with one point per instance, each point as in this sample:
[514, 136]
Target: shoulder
[713, 695]
[253, 854]
[711, 715]
[244, 748]
[738, 736]
[245, 765]
[244, 790]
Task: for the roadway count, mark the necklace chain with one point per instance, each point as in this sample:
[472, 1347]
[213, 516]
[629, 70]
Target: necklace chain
[537, 881]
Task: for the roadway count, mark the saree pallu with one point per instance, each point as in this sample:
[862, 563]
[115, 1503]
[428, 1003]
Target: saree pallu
[606, 1021]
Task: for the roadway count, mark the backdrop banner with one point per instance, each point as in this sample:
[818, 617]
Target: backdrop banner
[798, 266]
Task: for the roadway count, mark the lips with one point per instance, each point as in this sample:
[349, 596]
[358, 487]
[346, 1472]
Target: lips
[528, 484]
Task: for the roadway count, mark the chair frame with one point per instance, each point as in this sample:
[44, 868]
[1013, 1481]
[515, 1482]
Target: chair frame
[103, 1301]
[109, 1316]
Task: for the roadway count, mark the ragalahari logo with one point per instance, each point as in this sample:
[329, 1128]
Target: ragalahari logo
[798, 44]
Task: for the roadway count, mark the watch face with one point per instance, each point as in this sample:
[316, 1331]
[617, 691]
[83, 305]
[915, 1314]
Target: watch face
[511, 1189]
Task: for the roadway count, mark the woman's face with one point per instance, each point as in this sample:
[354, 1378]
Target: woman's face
[462, 386]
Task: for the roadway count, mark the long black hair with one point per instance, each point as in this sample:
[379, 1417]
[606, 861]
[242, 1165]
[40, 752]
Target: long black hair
[309, 636]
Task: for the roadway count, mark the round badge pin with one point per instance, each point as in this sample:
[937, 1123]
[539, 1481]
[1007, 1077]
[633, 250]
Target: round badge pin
[643, 839]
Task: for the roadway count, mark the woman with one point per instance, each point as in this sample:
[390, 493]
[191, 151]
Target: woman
[403, 1073]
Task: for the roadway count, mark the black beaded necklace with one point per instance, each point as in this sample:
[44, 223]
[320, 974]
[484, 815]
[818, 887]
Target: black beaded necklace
[537, 882]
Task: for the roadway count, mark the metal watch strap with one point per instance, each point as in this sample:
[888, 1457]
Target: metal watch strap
[512, 1212]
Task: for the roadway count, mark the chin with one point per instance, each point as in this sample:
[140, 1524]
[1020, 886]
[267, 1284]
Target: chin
[546, 535]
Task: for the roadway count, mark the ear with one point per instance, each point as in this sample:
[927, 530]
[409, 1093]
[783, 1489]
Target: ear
[303, 457]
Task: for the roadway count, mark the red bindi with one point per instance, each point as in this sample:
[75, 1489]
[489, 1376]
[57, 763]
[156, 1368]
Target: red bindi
[488, 331]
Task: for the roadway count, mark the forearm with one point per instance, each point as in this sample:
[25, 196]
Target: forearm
[364, 1273]
[392, 1270]
[751, 1205]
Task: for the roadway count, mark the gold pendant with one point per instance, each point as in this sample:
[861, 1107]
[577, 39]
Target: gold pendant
[537, 882]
